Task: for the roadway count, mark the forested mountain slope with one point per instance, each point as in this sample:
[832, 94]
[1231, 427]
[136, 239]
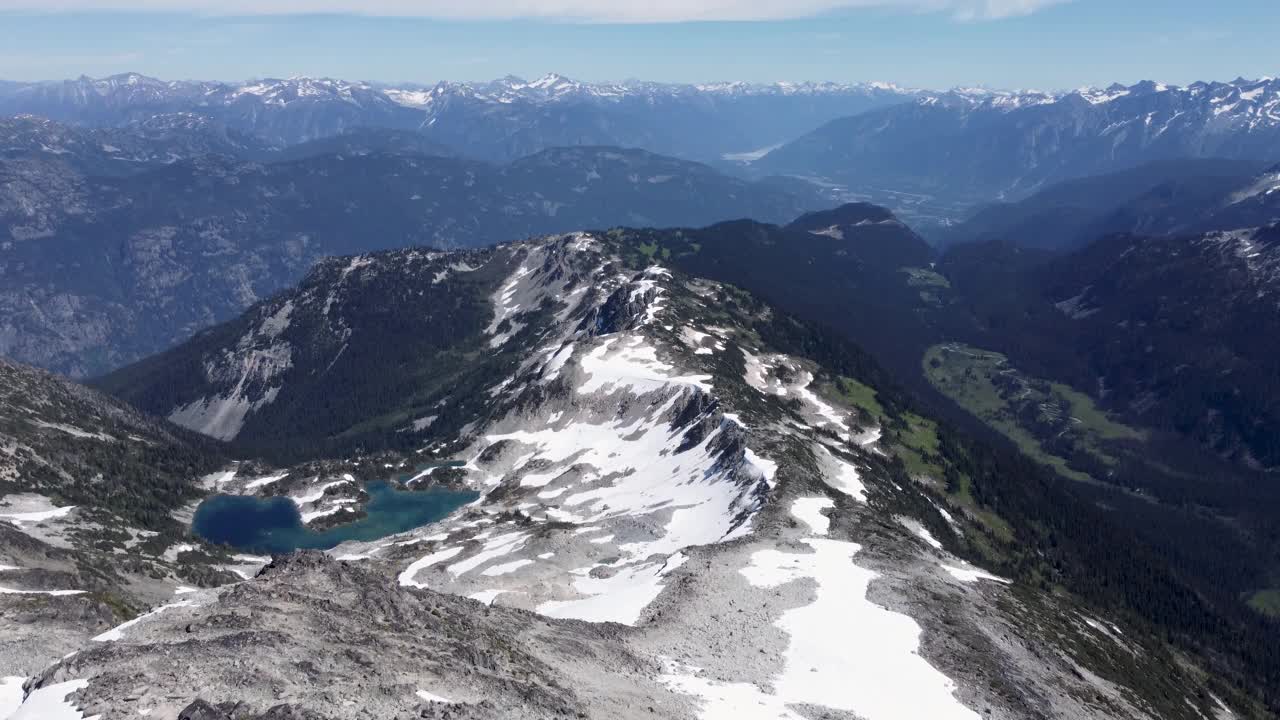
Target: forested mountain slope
[88, 488]
[98, 271]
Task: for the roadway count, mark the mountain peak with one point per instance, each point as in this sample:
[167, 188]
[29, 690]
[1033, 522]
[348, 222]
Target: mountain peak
[550, 80]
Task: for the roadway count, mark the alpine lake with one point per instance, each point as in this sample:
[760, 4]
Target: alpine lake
[274, 525]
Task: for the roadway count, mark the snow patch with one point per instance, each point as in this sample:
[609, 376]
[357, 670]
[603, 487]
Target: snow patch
[923, 533]
[74, 431]
[809, 511]
[728, 701]
[505, 568]
[54, 593]
[768, 468]
[495, 548]
[632, 365]
[318, 493]
[265, 481]
[844, 651]
[486, 596]
[972, 574]
[11, 694]
[407, 577]
[841, 475]
[621, 597]
[117, 633]
[51, 703]
[31, 508]
[432, 697]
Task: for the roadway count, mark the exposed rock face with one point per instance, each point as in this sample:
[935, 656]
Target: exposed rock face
[315, 637]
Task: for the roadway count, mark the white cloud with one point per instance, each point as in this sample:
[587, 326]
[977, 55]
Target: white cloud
[603, 11]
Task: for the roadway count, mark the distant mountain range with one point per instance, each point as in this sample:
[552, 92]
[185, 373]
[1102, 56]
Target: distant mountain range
[118, 242]
[973, 148]
[498, 121]
[283, 113]
[930, 155]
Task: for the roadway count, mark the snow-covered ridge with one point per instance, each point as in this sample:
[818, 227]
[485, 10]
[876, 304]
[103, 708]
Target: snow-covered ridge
[285, 91]
[628, 448]
[1257, 99]
[551, 87]
[1241, 102]
[631, 457]
[554, 87]
[631, 453]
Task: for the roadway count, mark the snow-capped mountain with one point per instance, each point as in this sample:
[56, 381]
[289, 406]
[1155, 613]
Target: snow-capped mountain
[511, 116]
[996, 145]
[296, 110]
[499, 120]
[558, 88]
[280, 111]
[996, 142]
[673, 495]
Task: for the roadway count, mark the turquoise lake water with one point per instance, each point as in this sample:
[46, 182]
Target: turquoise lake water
[274, 525]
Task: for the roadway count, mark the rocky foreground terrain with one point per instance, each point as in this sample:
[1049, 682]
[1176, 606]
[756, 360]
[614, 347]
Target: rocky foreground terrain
[691, 506]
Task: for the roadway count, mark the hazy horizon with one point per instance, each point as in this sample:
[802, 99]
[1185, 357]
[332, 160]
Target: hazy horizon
[928, 44]
[888, 83]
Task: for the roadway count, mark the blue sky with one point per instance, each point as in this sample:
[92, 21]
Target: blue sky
[1045, 44]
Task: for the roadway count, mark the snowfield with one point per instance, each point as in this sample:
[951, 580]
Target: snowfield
[843, 651]
[846, 652]
[30, 508]
[972, 574]
[10, 695]
[51, 703]
[810, 511]
[117, 633]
